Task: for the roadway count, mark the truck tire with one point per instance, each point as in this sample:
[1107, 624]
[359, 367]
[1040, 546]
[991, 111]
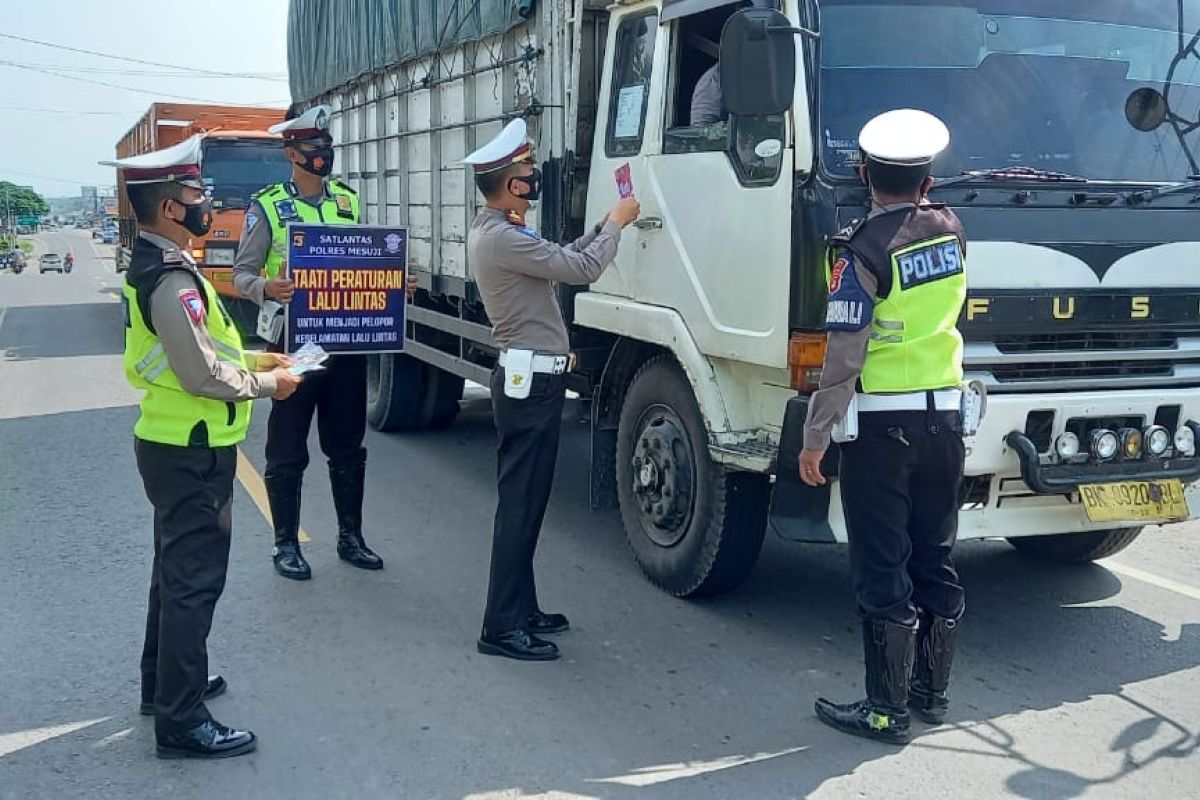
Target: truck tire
[404, 394]
[443, 392]
[1076, 548]
[695, 527]
[395, 392]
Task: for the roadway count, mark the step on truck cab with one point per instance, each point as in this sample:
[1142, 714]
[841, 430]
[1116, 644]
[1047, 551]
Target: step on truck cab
[1072, 167]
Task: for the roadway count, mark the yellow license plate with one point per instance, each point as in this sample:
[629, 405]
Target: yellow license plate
[1135, 501]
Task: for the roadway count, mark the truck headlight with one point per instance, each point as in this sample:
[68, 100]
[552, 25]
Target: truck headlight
[1067, 446]
[1104, 444]
[1185, 442]
[219, 257]
[1131, 443]
[1157, 439]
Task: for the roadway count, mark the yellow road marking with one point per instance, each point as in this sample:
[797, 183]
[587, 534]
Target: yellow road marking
[252, 482]
[1152, 579]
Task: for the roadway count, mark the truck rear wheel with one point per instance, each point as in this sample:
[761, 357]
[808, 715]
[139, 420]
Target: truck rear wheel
[404, 394]
[1076, 548]
[695, 527]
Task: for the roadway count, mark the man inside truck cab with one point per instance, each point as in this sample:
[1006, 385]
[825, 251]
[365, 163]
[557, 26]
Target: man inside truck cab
[892, 378]
[337, 395]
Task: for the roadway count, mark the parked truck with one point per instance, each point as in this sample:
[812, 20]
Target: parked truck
[1072, 167]
[240, 158]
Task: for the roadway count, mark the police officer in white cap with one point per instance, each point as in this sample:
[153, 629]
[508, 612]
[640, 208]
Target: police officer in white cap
[897, 282]
[337, 395]
[183, 350]
[517, 270]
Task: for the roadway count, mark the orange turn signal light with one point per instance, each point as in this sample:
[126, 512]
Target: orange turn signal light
[806, 357]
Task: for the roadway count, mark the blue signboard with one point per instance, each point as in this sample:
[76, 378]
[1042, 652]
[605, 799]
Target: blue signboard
[349, 287]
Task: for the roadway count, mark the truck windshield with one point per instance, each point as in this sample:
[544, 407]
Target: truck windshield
[235, 170]
[1036, 83]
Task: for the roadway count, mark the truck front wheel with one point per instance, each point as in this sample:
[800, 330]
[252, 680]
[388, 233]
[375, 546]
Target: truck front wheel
[1076, 548]
[695, 527]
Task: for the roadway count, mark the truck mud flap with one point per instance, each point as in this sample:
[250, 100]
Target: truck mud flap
[799, 512]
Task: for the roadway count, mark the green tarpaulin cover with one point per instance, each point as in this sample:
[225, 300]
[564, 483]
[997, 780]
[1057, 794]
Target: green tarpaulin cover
[333, 42]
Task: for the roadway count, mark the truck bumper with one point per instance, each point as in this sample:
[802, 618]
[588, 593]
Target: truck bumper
[1002, 495]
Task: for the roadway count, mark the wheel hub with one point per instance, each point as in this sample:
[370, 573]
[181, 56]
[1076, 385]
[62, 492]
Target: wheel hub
[662, 478]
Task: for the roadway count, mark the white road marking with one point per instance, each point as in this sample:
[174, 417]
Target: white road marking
[113, 738]
[1152, 579]
[649, 776]
[12, 742]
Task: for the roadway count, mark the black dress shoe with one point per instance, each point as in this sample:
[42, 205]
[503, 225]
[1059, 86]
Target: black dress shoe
[519, 644]
[540, 623]
[290, 563]
[216, 686]
[354, 551]
[209, 739]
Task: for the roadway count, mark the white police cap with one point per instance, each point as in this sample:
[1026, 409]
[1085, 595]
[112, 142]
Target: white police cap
[509, 147]
[179, 163]
[905, 137]
[312, 124]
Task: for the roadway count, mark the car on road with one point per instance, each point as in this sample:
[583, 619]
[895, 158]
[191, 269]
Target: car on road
[51, 262]
[108, 236]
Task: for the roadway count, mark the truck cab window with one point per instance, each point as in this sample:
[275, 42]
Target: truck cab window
[696, 118]
[632, 66]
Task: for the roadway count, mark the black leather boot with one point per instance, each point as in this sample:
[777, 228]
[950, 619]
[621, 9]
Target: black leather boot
[347, 483]
[283, 493]
[888, 649]
[936, 638]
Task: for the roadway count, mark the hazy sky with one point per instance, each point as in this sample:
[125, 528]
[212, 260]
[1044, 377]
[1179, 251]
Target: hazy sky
[56, 153]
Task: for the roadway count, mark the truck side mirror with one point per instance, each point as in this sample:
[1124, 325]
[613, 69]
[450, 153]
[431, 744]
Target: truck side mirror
[758, 63]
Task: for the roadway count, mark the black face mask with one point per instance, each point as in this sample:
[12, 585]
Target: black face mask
[197, 218]
[319, 161]
[533, 180]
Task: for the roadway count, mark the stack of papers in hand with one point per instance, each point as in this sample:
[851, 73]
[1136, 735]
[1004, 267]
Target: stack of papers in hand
[308, 358]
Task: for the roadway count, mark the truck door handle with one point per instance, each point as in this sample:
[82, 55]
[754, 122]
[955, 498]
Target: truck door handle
[648, 223]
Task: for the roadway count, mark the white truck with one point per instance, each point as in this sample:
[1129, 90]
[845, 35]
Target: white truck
[1071, 167]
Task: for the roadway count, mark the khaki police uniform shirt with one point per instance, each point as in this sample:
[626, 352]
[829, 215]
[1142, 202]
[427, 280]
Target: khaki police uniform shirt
[191, 352]
[253, 248]
[845, 355]
[516, 271]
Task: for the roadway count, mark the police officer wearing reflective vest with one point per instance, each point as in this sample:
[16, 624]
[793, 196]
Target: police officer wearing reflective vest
[183, 351]
[893, 369]
[516, 270]
[337, 394]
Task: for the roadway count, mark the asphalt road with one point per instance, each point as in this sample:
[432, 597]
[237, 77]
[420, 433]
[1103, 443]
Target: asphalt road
[1072, 682]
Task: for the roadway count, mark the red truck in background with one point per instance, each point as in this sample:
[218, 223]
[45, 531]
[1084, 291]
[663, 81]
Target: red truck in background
[240, 158]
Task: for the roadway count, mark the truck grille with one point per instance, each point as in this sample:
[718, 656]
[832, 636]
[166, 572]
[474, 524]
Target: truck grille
[1114, 359]
[1098, 340]
[1049, 372]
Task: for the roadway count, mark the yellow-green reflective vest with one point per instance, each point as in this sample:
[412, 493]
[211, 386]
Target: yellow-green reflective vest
[169, 414]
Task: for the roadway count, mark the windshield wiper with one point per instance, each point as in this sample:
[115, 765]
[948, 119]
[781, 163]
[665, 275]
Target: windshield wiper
[1018, 173]
[1146, 195]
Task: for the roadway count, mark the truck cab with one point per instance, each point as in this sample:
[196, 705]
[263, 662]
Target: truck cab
[1072, 167]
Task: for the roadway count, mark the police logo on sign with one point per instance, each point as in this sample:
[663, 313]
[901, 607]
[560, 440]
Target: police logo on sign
[927, 261]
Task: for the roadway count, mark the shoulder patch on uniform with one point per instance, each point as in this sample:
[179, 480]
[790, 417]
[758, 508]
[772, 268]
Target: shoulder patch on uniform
[849, 306]
[344, 206]
[193, 305]
[286, 209]
[847, 233]
[927, 261]
[251, 221]
[339, 182]
[172, 256]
